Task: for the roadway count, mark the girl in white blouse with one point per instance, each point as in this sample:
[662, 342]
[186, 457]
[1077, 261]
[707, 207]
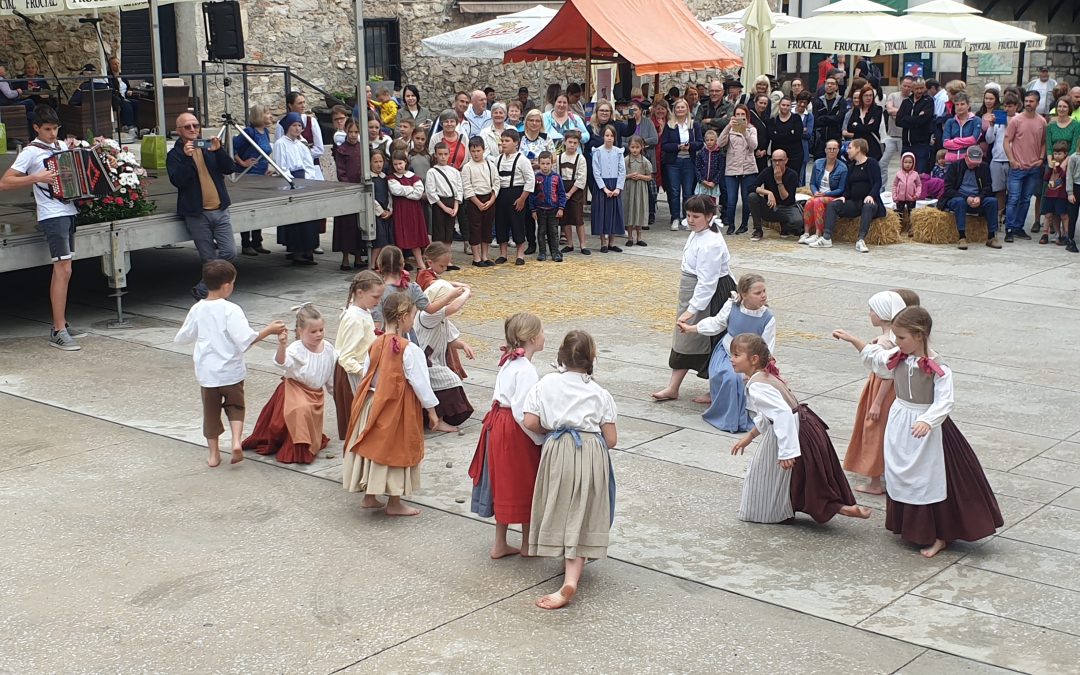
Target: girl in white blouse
[574, 499]
[291, 423]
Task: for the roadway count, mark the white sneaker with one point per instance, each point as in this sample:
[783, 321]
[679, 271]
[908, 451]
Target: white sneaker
[822, 243]
[811, 239]
[674, 226]
[860, 246]
[805, 238]
[685, 224]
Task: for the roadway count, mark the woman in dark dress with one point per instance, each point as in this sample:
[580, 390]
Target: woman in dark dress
[865, 121]
[348, 158]
[759, 117]
[786, 133]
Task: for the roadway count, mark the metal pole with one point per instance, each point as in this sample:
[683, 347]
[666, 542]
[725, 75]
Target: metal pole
[155, 52]
[361, 88]
[1020, 66]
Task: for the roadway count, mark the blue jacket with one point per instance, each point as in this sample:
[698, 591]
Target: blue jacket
[185, 177]
[245, 151]
[669, 143]
[549, 193]
[707, 166]
[837, 179]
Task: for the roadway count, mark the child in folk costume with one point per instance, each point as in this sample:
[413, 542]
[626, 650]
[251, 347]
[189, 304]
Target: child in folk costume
[385, 442]
[609, 172]
[291, 422]
[795, 467]
[392, 270]
[356, 333]
[575, 175]
[507, 456]
[438, 337]
[866, 450]
[516, 182]
[936, 491]
[746, 312]
[349, 161]
[636, 193]
[445, 194]
[480, 183]
[384, 206]
[574, 498]
[547, 201]
[410, 226]
[377, 140]
[705, 285]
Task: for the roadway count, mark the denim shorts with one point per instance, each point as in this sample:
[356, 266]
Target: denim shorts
[60, 233]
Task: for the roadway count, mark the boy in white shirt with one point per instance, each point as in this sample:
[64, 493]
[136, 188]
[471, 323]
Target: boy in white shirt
[572, 167]
[516, 183]
[221, 335]
[480, 182]
[444, 192]
[56, 219]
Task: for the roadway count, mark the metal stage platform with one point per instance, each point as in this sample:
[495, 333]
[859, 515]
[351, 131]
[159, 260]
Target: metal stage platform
[258, 202]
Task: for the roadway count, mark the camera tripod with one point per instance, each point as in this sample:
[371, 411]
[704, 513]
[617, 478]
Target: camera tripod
[229, 122]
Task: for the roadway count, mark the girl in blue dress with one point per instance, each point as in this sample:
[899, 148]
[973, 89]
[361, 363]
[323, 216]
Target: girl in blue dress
[609, 173]
[746, 312]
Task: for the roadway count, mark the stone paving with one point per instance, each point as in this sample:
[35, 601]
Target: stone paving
[124, 553]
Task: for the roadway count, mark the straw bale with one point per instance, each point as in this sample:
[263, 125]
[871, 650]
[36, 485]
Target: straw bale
[882, 230]
[934, 226]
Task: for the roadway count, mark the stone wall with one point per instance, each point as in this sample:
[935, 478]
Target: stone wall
[1062, 57]
[69, 44]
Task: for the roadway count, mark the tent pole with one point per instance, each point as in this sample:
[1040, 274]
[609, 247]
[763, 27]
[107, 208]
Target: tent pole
[1020, 66]
[155, 53]
[588, 64]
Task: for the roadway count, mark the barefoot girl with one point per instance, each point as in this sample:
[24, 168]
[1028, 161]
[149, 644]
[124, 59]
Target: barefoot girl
[795, 467]
[866, 450]
[705, 284]
[291, 422]
[392, 270]
[507, 456]
[574, 500]
[356, 332]
[385, 442]
[746, 312]
[936, 489]
[438, 338]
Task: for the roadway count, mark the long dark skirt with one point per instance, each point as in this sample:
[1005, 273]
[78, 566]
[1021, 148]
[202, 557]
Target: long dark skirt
[347, 235]
[300, 237]
[700, 361]
[970, 510]
[819, 486]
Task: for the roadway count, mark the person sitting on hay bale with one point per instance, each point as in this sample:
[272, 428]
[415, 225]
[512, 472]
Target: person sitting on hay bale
[862, 197]
[773, 198]
[969, 189]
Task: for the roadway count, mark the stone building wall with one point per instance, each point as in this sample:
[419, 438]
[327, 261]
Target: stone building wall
[69, 44]
[1062, 57]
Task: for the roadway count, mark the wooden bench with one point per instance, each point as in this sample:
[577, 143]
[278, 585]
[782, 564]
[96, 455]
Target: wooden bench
[930, 225]
[18, 129]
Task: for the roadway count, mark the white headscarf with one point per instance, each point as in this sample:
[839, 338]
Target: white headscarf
[886, 304]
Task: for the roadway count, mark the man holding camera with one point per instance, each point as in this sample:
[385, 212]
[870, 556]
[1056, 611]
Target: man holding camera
[197, 168]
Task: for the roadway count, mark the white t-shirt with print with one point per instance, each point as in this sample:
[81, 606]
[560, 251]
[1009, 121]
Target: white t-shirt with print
[30, 161]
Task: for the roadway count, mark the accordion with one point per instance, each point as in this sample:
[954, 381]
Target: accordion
[80, 174]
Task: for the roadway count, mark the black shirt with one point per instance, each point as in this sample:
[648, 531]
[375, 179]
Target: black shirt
[858, 182]
[767, 180]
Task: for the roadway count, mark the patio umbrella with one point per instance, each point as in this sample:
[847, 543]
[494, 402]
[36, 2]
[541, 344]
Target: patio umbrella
[862, 27]
[986, 35]
[729, 30]
[759, 24]
[490, 39]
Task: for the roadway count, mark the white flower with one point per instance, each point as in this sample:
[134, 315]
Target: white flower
[127, 158]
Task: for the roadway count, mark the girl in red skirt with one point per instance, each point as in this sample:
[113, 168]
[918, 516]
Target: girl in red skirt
[936, 491]
[795, 467]
[410, 223]
[507, 456]
[291, 423]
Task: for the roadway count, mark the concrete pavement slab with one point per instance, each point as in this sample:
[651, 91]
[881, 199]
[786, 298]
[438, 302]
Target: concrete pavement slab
[934, 662]
[1069, 500]
[1051, 469]
[1051, 526]
[1043, 564]
[1065, 451]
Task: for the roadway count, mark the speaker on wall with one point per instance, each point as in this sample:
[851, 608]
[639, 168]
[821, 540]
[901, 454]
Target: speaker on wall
[224, 32]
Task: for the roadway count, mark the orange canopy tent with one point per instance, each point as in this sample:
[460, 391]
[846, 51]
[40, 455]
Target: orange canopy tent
[656, 36]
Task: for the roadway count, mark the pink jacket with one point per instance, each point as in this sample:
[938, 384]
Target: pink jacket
[907, 186]
[740, 151]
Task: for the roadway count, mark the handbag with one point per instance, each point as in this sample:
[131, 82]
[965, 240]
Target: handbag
[153, 152]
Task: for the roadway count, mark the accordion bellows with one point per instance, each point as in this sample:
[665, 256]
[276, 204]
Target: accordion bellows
[80, 174]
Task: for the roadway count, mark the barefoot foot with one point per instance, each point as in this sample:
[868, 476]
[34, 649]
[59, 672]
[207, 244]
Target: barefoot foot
[502, 550]
[855, 512]
[237, 456]
[704, 400]
[371, 502]
[524, 551]
[445, 428]
[400, 509]
[937, 547]
[665, 395]
[214, 460]
[870, 490]
[558, 599]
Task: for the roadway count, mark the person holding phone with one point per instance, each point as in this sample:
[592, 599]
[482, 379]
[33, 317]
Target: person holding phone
[741, 140]
[995, 136]
[202, 200]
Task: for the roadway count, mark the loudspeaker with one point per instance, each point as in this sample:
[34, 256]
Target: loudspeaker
[224, 32]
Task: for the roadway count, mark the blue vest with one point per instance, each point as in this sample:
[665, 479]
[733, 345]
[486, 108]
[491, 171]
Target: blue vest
[739, 322]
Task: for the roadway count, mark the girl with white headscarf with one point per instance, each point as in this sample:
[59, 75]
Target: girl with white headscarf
[866, 450]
